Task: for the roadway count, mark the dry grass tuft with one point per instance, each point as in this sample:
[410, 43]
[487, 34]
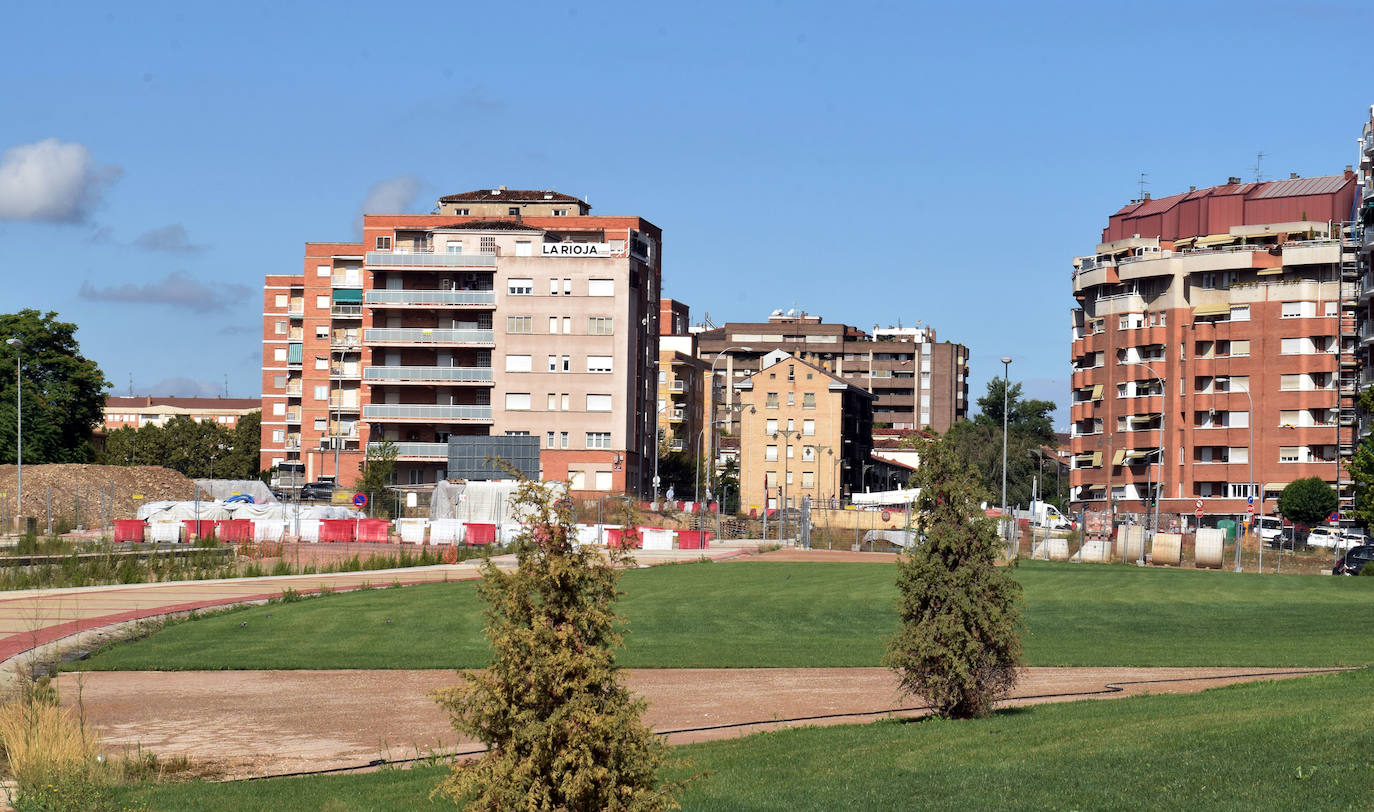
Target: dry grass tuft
[42, 740]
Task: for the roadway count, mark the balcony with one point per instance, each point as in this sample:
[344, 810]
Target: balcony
[293, 416]
[420, 260]
[344, 342]
[679, 386]
[345, 373]
[293, 390]
[425, 336]
[430, 298]
[346, 311]
[677, 416]
[427, 375]
[339, 405]
[426, 414]
[417, 451]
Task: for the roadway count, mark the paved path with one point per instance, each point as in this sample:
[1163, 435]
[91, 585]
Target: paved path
[237, 724]
[30, 619]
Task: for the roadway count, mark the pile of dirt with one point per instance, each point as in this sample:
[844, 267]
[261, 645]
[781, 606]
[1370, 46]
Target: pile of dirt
[98, 490]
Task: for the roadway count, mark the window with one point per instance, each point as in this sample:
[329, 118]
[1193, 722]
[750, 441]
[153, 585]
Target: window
[1291, 383]
[524, 248]
[383, 243]
[808, 453]
[770, 426]
[1240, 348]
[321, 362]
[319, 424]
[553, 287]
[278, 435]
[577, 480]
[1292, 346]
[772, 401]
[278, 408]
[791, 398]
[791, 452]
[1240, 455]
[770, 481]
[322, 270]
[559, 212]
[519, 324]
[1288, 453]
[279, 354]
[549, 440]
[1238, 420]
[604, 481]
[463, 212]
[518, 363]
[808, 400]
[322, 302]
[1240, 312]
[281, 300]
[553, 325]
[600, 287]
[808, 427]
[518, 402]
[454, 246]
[519, 287]
[513, 211]
[278, 382]
[598, 363]
[488, 244]
[567, 364]
[567, 287]
[808, 479]
[553, 402]
[770, 453]
[567, 325]
[598, 403]
[553, 363]
[1330, 308]
[925, 380]
[563, 439]
[599, 325]
[321, 392]
[598, 439]
[322, 331]
[279, 328]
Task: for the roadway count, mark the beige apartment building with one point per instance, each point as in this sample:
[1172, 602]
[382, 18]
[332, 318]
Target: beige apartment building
[510, 313]
[803, 433]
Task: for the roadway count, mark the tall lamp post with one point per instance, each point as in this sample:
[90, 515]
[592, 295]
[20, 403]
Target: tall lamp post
[1006, 377]
[787, 435]
[18, 344]
[1250, 458]
[711, 418]
[1163, 427]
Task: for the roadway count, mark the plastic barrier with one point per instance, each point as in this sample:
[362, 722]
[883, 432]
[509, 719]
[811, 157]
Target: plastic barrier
[693, 539]
[1208, 547]
[309, 529]
[165, 531]
[1130, 543]
[656, 538]
[337, 529]
[373, 529]
[268, 529]
[623, 539]
[234, 530]
[199, 529]
[1057, 549]
[128, 530]
[479, 533]
[589, 534]
[412, 531]
[445, 531]
[509, 531]
[1097, 552]
[1166, 548]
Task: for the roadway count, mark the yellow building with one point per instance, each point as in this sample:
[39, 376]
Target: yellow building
[803, 433]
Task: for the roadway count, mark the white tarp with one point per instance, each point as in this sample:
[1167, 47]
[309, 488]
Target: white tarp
[901, 496]
[182, 511]
[243, 510]
[445, 531]
[217, 489]
[656, 538]
[900, 538]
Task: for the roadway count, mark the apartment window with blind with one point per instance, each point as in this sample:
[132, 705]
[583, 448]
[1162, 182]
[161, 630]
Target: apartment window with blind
[488, 245]
[519, 324]
[772, 402]
[598, 439]
[809, 400]
[600, 325]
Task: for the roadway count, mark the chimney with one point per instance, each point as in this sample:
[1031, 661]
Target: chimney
[502, 188]
[1292, 175]
[1232, 181]
[1349, 173]
[1147, 195]
[1192, 188]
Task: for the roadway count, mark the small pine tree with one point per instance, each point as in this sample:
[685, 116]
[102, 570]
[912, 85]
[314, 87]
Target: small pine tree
[958, 646]
[561, 728]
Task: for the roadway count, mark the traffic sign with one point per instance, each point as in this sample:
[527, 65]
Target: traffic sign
[1334, 517]
[1250, 500]
[1199, 510]
[359, 500]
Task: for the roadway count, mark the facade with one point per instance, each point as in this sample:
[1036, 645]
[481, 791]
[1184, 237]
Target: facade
[1213, 348]
[803, 433]
[681, 382]
[1361, 241]
[916, 381]
[122, 412]
[471, 322]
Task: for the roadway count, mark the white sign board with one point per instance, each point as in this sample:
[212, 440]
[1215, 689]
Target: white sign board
[576, 249]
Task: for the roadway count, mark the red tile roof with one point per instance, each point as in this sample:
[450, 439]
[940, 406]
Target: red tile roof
[228, 404]
[512, 196]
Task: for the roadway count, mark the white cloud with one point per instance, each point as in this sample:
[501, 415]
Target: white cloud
[51, 181]
[392, 196]
[186, 388]
[177, 290]
[171, 238]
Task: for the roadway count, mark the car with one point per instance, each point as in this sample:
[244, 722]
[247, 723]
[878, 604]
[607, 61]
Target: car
[1354, 560]
[1323, 536]
[1354, 537]
[319, 489]
[1269, 528]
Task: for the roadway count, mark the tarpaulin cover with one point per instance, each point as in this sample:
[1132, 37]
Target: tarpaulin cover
[656, 538]
[309, 528]
[219, 489]
[268, 529]
[165, 531]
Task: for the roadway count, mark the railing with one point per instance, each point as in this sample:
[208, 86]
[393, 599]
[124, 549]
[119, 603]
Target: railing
[344, 342]
[336, 405]
[396, 411]
[293, 391]
[346, 310]
[344, 281]
[340, 372]
[678, 386]
[293, 417]
[422, 336]
[296, 312]
[425, 450]
[292, 445]
[427, 259]
[458, 374]
[430, 297]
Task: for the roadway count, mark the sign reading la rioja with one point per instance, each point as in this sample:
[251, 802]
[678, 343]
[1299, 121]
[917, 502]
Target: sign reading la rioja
[577, 249]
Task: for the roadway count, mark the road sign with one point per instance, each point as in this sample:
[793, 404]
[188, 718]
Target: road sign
[1334, 517]
[1250, 500]
[1199, 511]
[359, 500]
[886, 515]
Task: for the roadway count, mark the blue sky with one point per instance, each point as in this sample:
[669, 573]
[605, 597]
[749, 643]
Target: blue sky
[869, 162]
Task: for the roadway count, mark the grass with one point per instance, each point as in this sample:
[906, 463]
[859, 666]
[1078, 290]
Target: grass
[1289, 744]
[762, 614]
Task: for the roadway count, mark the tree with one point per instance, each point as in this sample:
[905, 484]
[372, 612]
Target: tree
[958, 647]
[1361, 468]
[562, 731]
[63, 391]
[1308, 501]
[1030, 417]
[1030, 427]
[379, 469]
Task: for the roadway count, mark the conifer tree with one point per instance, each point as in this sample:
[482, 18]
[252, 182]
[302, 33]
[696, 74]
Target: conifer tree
[958, 646]
[561, 728]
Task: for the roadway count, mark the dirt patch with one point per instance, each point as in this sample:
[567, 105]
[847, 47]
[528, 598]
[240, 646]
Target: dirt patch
[245, 723]
[98, 490]
[793, 554]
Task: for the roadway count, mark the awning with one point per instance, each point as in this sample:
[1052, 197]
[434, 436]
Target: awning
[1119, 456]
[1185, 242]
[1141, 418]
[1097, 392]
[1137, 455]
[1097, 459]
[1216, 239]
[348, 295]
[1269, 272]
[1211, 309]
[1275, 486]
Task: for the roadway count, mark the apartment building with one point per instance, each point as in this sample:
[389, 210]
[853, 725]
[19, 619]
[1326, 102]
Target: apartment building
[1213, 348]
[803, 433]
[917, 382]
[509, 313]
[681, 382]
[1360, 238]
[135, 412]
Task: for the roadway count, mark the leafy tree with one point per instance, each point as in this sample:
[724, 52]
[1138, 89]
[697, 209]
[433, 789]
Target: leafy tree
[379, 469]
[562, 731]
[63, 391]
[958, 646]
[678, 470]
[185, 444]
[1308, 501]
[1361, 468]
[1029, 417]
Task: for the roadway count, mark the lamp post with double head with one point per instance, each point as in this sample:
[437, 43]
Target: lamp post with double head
[18, 344]
[1006, 377]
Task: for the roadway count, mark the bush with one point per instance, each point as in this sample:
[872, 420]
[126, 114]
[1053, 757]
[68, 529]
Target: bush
[1367, 569]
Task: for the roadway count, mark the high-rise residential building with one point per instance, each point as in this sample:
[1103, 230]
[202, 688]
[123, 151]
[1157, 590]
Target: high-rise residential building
[1361, 240]
[916, 381]
[1213, 348]
[804, 433]
[510, 312]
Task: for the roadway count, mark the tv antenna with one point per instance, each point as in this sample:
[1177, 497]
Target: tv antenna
[1142, 183]
[1259, 160]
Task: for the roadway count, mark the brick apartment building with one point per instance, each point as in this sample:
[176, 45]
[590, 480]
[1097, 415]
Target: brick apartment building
[122, 412]
[1205, 319]
[510, 312]
[681, 381]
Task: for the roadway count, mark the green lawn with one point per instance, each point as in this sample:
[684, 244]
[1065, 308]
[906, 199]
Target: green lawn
[1293, 744]
[766, 614]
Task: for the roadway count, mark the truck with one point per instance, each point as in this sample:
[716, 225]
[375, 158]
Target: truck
[288, 477]
[1043, 514]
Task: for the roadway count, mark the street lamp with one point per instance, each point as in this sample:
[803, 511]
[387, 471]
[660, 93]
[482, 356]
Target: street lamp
[1250, 458]
[1163, 425]
[786, 435]
[1006, 377]
[18, 344]
[712, 417]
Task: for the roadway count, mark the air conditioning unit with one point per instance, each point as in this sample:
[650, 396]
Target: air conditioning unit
[447, 284]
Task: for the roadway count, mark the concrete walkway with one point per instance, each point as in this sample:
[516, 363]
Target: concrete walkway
[40, 618]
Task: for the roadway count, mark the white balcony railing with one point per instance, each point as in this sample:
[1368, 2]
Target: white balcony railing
[430, 298]
[437, 414]
[398, 335]
[425, 451]
[411, 259]
[443, 374]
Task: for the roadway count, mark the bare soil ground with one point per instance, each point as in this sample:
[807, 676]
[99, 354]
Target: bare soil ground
[235, 724]
[92, 486]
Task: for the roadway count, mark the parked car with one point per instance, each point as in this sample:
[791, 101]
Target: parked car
[319, 489]
[1269, 528]
[1352, 537]
[1354, 560]
[1324, 536]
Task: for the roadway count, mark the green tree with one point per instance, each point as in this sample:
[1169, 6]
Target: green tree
[958, 646]
[1030, 417]
[1030, 427]
[379, 470]
[1361, 468]
[63, 391]
[1308, 501]
[562, 731]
